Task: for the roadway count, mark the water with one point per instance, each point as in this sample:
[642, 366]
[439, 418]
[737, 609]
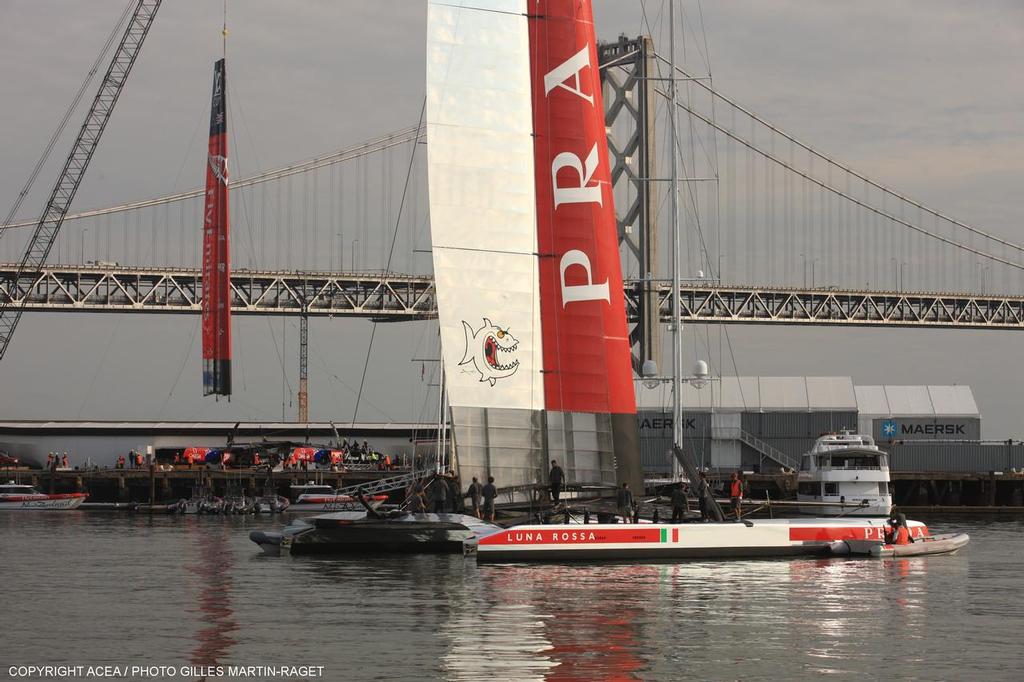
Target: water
[116, 589]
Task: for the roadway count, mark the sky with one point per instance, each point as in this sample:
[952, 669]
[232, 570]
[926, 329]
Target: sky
[924, 95]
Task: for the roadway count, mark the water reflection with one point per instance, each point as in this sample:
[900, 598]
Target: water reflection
[212, 566]
[585, 621]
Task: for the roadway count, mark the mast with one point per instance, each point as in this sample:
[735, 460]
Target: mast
[677, 336]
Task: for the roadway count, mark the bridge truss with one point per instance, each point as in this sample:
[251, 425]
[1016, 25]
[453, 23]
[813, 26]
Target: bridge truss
[411, 297]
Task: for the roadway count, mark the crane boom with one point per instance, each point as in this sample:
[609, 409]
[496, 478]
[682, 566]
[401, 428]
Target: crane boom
[78, 160]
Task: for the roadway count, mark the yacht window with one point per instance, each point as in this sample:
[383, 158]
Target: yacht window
[805, 463]
[883, 488]
[812, 489]
[831, 488]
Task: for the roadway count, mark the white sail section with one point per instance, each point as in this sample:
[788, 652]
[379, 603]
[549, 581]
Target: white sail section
[483, 202]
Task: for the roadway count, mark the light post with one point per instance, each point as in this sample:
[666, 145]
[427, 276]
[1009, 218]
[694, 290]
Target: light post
[81, 252]
[699, 379]
[341, 250]
[354, 242]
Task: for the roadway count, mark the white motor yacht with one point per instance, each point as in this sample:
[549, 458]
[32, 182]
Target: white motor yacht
[847, 470]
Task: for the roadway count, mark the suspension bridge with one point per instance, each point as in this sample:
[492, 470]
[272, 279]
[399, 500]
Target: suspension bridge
[776, 232]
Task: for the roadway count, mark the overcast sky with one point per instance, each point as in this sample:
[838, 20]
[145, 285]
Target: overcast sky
[925, 96]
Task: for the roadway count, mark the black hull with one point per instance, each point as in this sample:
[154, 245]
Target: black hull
[382, 537]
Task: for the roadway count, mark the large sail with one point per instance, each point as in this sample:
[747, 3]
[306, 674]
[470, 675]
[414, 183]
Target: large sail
[529, 287]
[587, 362]
[216, 261]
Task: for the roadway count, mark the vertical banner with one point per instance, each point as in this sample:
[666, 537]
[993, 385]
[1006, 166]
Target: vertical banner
[216, 261]
[586, 350]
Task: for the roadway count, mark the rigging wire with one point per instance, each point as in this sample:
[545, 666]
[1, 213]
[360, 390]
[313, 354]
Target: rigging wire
[391, 253]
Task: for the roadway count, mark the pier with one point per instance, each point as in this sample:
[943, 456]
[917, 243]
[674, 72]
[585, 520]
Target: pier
[134, 486]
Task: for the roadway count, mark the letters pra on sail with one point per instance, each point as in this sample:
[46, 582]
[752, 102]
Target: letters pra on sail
[526, 260]
[216, 306]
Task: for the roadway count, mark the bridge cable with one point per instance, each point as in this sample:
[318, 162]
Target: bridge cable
[844, 195]
[716, 94]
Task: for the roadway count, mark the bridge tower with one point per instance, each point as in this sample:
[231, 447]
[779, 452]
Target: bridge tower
[627, 69]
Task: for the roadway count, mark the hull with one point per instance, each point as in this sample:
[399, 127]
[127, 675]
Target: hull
[876, 507]
[325, 503]
[937, 544]
[42, 502]
[662, 542]
[352, 533]
[412, 534]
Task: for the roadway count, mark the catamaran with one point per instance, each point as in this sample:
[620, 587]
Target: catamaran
[535, 346]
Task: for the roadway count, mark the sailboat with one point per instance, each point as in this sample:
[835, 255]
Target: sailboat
[529, 286]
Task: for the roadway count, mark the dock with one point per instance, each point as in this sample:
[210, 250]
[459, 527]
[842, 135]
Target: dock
[125, 488]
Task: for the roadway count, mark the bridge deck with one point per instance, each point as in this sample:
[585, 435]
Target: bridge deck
[396, 297]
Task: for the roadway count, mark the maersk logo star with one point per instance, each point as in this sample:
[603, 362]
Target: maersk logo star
[889, 428]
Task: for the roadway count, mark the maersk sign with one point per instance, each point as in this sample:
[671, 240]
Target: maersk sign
[927, 428]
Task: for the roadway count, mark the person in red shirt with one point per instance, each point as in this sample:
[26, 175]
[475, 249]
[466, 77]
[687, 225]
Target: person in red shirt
[736, 493]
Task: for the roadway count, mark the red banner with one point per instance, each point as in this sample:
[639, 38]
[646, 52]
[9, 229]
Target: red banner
[587, 361]
[216, 260]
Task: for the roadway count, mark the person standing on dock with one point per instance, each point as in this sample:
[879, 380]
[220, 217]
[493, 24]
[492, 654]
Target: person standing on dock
[555, 480]
[624, 501]
[736, 493]
[475, 491]
[680, 503]
[489, 492]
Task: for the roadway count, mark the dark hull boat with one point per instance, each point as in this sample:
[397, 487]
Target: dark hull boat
[355, 533]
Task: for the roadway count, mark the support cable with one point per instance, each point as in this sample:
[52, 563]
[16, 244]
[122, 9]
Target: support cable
[715, 94]
[829, 188]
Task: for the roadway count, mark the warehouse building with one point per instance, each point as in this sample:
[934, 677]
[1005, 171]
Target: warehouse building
[764, 423]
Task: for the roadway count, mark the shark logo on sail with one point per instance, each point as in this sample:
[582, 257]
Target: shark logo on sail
[491, 350]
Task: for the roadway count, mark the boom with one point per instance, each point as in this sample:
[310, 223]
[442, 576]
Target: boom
[78, 160]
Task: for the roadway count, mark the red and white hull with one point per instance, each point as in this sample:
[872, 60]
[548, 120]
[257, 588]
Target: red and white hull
[659, 542]
[42, 502]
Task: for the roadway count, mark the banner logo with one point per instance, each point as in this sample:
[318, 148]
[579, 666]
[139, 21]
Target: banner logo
[491, 350]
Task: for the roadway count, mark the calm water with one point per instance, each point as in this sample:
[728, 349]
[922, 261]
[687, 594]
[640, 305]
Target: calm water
[116, 589]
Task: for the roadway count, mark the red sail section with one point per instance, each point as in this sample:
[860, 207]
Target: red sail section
[216, 260]
[583, 317]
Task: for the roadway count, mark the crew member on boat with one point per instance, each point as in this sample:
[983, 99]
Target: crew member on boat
[736, 493]
[555, 479]
[624, 501]
[898, 533]
[680, 503]
[489, 493]
[474, 492]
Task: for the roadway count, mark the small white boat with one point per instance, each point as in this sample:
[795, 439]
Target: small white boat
[845, 474]
[934, 544]
[25, 497]
[318, 497]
